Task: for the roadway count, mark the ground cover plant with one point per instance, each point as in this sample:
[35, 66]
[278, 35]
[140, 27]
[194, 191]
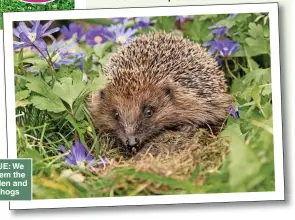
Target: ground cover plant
[18, 5]
[59, 63]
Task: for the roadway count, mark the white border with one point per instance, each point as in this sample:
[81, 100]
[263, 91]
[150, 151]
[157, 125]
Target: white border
[272, 8]
[80, 4]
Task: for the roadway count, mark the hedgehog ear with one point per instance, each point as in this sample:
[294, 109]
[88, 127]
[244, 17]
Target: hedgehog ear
[168, 92]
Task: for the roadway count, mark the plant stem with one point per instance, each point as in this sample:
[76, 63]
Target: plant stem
[47, 60]
[76, 136]
[51, 65]
[228, 70]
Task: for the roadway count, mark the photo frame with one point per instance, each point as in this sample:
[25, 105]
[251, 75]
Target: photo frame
[271, 8]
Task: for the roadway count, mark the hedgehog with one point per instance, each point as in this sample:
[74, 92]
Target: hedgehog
[159, 81]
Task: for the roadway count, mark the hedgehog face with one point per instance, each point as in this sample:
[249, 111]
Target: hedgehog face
[135, 117]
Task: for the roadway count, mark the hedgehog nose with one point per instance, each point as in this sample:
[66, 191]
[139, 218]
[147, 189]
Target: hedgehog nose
[132, 141]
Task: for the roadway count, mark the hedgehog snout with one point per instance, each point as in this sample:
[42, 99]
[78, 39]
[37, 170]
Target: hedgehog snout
[131, 141]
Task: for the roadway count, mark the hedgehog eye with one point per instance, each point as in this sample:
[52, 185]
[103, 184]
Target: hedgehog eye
[147, 112]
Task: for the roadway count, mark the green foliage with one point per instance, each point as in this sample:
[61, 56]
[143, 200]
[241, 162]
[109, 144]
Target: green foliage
[67, 89]
[51, 112]
[18, 6]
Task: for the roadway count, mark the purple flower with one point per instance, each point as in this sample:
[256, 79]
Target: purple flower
[63, 53]
[225, 47]
[30, 37]
[69, 59]
[119, 34]
[218, 59]
[73, 30]
[182, 19]
[218, 31]
[143, 22]
[235, 113]
[96, 35]
[80, 156]
[213, 46]
[44, 28]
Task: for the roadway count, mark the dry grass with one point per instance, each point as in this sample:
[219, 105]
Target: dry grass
[175, 155]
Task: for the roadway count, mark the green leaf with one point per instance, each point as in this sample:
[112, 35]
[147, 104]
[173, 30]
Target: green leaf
[51, 101]
[244, 165]
[257, 47]
[22, 95]
[103, 61]
[236, 86]
[165, 23]
[44, 103]
[256, 31]
[68, 89]
[229, 23]
[245, 93]
[96, 84]
[252, 64]
[79, 114]
[20, 98]
[100, 50]
[198, 30]
[87, 64]
[267, 90]
[241, 18]
[73, 89]
[258, 76]
[257, 44]
[77, 128]
[255, 93]
[36, 62]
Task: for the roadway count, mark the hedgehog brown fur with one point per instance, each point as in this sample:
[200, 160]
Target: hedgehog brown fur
[159, 81]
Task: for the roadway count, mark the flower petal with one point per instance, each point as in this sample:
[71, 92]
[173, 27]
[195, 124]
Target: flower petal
[79, 151]
[24, 28]
[46, 26]
[65, 31]
[209, 43]
[36, 27]
[18, 45]
[24, 38]
[51, 31]
[16, 32]
[71, 160]
[41, 44]
[62, 149]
